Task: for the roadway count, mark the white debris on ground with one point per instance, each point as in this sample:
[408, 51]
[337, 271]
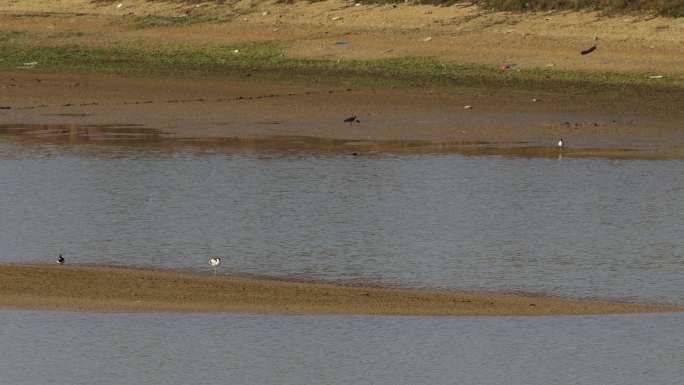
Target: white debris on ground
[28, 65]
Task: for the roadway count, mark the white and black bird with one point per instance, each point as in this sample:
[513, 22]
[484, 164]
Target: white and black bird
[60, 259]
[561, 143]
[215, 262]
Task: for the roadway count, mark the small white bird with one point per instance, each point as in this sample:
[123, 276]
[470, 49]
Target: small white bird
[60, 259]
[214, 262]
[560, 143]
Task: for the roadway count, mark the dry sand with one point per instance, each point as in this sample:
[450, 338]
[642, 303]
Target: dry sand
[111, 289]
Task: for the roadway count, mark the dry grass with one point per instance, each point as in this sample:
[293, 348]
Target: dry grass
[672, 8]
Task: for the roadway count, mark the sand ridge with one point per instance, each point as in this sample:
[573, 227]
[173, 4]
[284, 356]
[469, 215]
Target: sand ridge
[117, 289]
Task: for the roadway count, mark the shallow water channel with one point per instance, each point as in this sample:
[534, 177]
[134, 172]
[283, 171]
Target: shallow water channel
[589, 228]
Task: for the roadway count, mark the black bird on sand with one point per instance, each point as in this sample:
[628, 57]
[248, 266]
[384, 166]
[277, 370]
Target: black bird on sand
[60, 259]
[589, 50]
[352, 120]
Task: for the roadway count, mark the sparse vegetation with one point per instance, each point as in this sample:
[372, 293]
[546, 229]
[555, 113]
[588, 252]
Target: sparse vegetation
[73, 50]
[6, 36]
[671, 8]
[666, 8]
[66, 34]
[269, 59]
[152, 21]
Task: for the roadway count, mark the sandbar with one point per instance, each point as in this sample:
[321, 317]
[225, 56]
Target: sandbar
[122, 289]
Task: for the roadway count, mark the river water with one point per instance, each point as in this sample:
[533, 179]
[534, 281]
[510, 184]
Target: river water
[41, 348]
[588, 228]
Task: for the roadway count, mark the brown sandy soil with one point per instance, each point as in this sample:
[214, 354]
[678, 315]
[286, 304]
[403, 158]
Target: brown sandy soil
[464, 34]
[106, 289]
[630, 123]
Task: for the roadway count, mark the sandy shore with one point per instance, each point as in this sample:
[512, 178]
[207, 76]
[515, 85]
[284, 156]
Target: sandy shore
[110, 289]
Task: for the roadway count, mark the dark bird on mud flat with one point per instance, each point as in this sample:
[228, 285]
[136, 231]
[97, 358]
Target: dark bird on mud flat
[352, 120]
[589, 50]
[60, 259]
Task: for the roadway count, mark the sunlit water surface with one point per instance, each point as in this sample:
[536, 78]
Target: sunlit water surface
[592, 228]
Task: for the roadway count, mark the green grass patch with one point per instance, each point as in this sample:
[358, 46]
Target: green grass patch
[6, 36]
[162, 60]
[268, 59]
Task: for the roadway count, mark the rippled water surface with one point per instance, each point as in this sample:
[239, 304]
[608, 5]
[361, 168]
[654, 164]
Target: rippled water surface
[599, 228]
[100, 349]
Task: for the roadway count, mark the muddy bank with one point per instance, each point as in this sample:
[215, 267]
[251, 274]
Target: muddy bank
[104, 289]
[79, 108]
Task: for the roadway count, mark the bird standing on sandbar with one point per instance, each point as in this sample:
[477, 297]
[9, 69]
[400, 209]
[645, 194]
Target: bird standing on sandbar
[352, 120]
[60, 259]
[214, 262]
[561, 143]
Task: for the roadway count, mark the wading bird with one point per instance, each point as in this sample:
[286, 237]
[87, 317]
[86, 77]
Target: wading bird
[60, 259]
[560, 143]
[214, 262]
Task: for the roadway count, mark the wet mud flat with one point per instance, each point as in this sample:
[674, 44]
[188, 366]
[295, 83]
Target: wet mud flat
[276, 115]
